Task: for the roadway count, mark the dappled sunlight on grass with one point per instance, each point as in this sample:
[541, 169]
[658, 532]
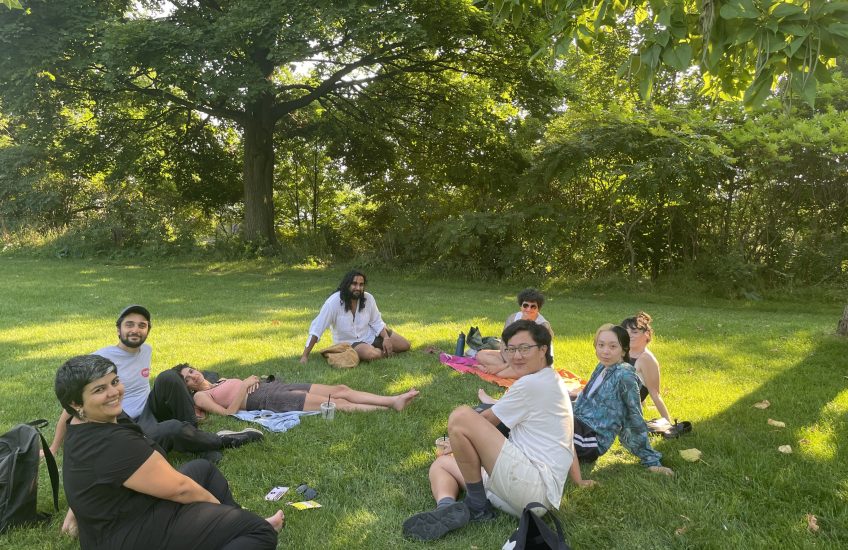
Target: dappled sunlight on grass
[409, 381]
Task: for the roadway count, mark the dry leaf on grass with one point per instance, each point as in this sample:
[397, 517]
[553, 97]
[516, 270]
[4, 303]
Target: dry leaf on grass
[764, 404]
[803, 441]
[692, 455]
[680, 530]
[812, 523]
[776, 423]
[785, 449]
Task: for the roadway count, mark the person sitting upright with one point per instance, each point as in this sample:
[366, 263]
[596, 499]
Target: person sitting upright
[531, 465]
[353, 315]
[530, 302]
[646, 364]
[125, 494]
[609, 406]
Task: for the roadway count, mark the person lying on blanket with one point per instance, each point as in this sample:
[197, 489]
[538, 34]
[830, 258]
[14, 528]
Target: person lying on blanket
[230, 395]
[530, 301]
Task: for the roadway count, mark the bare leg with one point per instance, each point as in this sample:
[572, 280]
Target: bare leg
[367, 352]
[492, 362]
[485, 397]
[445, 478]
[397, 402]
[399, 343]
[313, 403]
[475, 442]
[277, 521]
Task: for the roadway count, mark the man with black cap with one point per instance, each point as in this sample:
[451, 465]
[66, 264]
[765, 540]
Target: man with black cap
[166, 414]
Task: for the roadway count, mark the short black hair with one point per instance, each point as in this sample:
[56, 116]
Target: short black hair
[75, 374]
[141, 310]
[531, 295]
[538, 333]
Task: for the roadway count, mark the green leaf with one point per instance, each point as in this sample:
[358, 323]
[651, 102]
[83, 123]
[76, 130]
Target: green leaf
[784, 9]
[651, 56]
[793, 28]
[839, 29]
[747, 30]
[808, 93]
[12, 4]
[678, 57]
[739, 9]
[759, 90]
[796, 43]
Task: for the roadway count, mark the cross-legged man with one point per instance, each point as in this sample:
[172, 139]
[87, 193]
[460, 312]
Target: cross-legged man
[353, 316]
[530, 466]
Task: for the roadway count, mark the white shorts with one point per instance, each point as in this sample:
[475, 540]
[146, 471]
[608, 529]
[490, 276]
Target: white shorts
[514, 482]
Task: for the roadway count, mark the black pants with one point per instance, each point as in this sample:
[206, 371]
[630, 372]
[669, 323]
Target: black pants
[202, 525]
[169, 419]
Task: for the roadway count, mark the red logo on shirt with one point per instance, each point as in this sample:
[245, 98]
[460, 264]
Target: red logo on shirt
[145, 373]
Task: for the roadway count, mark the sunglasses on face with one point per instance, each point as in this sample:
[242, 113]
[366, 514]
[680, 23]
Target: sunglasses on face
[308, 492]
[527, 305]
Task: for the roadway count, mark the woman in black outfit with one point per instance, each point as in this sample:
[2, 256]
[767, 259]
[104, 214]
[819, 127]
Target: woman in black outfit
[122, 490]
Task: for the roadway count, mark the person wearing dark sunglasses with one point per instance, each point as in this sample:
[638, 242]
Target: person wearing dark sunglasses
[530, 302]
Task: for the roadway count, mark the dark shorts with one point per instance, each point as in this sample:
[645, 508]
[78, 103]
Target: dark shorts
[378, 341]
[278, 397]
[585, 442]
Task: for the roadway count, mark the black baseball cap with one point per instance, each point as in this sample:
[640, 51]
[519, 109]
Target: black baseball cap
[141, 310]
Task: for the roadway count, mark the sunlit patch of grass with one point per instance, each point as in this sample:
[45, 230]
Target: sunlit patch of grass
[718, 358]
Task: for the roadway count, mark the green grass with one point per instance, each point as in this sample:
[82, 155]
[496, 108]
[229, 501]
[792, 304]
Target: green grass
[718, 359]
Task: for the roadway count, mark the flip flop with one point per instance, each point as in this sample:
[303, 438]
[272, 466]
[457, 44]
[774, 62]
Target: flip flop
[678, 429]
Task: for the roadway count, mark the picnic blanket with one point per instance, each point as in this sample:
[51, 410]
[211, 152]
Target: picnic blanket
[470, 365]
[274, 421]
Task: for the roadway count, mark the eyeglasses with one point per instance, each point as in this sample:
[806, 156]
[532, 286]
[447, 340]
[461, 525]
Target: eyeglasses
[528, 305]
[524, 349]
[308, 492]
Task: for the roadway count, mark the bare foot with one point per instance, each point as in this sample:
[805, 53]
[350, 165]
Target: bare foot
[432, 349]
[485, 397]
[69, 526]
[277, 521]
[402, 400]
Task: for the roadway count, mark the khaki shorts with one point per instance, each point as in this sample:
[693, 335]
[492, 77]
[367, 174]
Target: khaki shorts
[514, 482]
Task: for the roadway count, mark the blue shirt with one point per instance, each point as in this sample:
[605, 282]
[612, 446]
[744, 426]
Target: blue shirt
[614, 409]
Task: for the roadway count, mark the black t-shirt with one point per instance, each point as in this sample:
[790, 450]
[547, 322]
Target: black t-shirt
[98, 459]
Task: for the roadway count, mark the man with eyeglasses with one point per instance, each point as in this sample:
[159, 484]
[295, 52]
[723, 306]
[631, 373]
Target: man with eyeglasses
[352, 315]
[530, 466]
[530, 302]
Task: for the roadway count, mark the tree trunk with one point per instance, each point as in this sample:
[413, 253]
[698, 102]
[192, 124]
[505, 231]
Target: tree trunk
[842, 327]
[259, 174]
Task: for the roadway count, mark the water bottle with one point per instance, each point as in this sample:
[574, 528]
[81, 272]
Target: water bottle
[460, 345]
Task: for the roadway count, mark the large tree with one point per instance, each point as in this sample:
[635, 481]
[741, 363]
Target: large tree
[251, 63]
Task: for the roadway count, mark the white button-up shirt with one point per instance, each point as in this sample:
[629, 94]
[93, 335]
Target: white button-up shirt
[365, 326]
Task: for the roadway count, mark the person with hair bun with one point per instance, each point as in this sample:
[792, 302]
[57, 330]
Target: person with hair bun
[647, 367]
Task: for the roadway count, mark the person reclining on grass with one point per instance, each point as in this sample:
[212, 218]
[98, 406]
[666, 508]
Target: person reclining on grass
[539, 450]
[165, 413]
[125, 494]
[609, 405]
[230, 395]
[353, 315]
[530, 301]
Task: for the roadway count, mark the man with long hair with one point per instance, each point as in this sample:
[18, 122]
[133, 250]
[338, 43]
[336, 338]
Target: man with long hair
[353, 317]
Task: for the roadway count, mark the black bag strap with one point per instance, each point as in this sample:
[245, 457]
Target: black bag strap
[544, 530]
[49, 459]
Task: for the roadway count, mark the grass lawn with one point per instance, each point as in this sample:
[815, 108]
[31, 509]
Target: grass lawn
[718, 358]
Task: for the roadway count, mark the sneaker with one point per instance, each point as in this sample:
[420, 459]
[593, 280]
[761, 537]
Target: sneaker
[231, 439]
[436, 523]
[486, 514]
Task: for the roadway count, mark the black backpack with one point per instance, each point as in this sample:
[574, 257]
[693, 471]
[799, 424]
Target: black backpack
[19, 475]
[534, 534]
